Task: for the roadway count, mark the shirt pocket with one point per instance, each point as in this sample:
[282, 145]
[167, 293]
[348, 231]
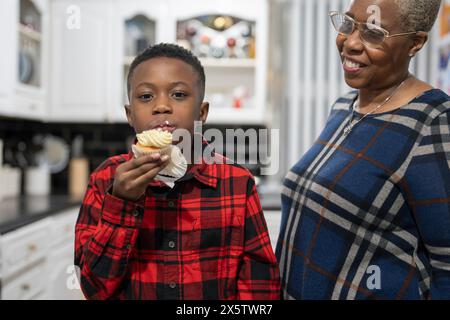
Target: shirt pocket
[216, 245]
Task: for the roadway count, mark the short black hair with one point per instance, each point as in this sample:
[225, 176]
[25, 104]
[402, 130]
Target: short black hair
[168, 50]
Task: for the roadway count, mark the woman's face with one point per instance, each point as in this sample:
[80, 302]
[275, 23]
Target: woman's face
[375, 67]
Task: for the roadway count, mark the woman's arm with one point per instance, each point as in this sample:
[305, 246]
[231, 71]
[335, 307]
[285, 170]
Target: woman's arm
[428, 181]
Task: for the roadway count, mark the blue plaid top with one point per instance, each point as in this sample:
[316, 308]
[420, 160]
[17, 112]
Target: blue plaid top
[367, 216]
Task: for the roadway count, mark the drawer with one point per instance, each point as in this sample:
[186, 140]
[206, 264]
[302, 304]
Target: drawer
[24, 247]
[27, 285]
[63, 227]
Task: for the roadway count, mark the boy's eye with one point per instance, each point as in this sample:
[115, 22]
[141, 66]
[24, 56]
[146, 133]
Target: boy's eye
[145, 96]
[179, 95]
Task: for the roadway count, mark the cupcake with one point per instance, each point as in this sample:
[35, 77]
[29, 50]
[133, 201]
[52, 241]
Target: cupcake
[152, 141]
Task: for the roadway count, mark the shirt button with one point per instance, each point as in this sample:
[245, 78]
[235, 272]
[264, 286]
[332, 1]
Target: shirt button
[172, 285]
[136, 212]
[128, 246]
[171, 204]
[171, 244]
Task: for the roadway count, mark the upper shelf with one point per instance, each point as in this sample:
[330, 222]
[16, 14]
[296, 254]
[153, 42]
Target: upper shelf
[249, 116]
[227, 63]
[213, 62]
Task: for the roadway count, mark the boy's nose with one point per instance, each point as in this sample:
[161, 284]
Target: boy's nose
[162, 108]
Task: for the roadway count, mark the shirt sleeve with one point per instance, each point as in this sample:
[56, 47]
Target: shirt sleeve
[105, 235]
[428, 181]
[259, 275]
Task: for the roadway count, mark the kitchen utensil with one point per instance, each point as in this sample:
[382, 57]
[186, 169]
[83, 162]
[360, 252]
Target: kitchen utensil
[54, 154]
[10, 179]
[78, 169]
[26, 66]
[37, 181]
[78, 176]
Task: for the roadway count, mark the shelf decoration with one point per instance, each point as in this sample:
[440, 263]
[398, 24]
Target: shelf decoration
[218, 36]
[29, 68]
[139, 34]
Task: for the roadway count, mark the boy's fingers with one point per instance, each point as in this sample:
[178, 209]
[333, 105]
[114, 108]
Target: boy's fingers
[146, 167]
[146, 178]
[137, 162]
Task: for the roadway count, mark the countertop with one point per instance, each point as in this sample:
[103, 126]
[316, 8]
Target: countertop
[21, 211]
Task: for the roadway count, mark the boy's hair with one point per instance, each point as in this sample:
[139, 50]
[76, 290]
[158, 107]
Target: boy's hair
[169, 50]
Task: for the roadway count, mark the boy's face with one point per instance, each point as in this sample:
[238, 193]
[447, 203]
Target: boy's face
[165, 93]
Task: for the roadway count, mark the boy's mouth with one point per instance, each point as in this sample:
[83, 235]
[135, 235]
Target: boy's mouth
[165, 126]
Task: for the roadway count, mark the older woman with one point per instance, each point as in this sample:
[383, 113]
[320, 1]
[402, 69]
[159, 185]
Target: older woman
[366, 211]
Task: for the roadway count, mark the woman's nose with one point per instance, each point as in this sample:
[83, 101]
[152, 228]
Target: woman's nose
[353, 42]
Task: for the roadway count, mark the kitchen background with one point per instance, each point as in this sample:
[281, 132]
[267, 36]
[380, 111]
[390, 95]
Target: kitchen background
[270, 64]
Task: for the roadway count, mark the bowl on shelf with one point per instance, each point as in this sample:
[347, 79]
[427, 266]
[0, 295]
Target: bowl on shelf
[26, 67]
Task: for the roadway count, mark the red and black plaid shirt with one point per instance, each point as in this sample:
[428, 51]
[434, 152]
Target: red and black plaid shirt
[204, 239]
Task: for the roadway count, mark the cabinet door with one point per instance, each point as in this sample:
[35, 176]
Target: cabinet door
[62, 280]
[81, 69]
[8, 62]
[32, 54]
[146, 21]
[26, 285]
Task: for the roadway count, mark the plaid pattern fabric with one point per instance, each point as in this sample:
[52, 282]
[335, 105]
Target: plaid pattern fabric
[204, 239]
[368, 216]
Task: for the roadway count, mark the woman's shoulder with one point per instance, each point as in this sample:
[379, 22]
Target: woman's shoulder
[344, 101]
[432, 104]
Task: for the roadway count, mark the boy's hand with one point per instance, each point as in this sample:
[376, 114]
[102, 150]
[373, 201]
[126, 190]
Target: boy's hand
[132, 177]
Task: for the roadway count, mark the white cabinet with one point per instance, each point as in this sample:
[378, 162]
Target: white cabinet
[62, 282]
[24, 30]
[139, 24]
[90, 63]
[27, 285]
[22, 256]
[36, 261]
[82, 50]
[235, 83]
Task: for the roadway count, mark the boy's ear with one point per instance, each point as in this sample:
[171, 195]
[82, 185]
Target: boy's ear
[128, 113]
[204, 109]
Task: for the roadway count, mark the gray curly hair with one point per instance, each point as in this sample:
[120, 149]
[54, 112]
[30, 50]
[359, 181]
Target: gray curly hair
[418, 15]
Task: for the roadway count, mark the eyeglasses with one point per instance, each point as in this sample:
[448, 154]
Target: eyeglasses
[370, 33]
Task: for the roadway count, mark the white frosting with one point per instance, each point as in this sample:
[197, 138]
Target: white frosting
[155, 138]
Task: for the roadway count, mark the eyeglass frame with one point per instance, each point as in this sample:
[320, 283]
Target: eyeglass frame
[357, 24]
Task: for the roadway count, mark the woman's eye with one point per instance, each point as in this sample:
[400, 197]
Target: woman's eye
[146, 96]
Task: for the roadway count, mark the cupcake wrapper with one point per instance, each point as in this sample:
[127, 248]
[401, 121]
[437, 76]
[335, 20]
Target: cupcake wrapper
[139, 152]
[175, 169]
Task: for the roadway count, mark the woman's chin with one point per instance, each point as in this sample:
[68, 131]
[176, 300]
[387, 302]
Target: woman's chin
[355, 83]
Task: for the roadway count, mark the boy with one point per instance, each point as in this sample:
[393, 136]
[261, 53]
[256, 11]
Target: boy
[206, 238]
